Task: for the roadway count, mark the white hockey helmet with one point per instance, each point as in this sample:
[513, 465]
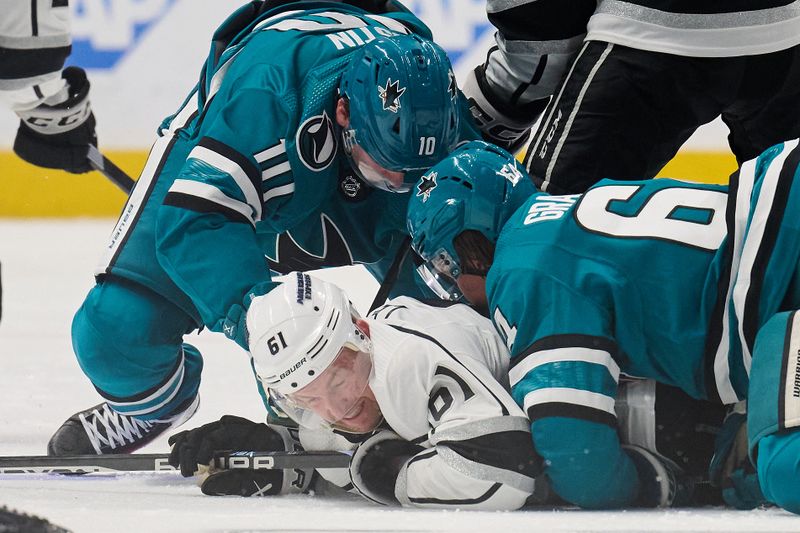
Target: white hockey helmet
[297, 331]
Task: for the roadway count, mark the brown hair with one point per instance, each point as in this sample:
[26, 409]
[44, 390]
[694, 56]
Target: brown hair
[475, 252]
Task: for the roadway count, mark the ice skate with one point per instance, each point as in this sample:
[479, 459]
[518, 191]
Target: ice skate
[101, 430]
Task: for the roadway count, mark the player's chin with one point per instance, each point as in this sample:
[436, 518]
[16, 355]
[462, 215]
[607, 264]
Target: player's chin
[366, 416]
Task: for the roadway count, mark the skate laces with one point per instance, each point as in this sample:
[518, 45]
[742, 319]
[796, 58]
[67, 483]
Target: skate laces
[107, 428]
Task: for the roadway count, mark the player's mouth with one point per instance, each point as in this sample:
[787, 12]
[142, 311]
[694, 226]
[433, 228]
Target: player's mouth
[355, 411]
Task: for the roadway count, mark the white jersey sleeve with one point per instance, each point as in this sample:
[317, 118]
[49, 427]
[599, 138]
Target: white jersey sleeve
[536, 42]
[437, 380]
[34, 43]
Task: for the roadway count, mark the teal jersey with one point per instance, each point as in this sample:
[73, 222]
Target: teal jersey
[249, 176]
[658, 279]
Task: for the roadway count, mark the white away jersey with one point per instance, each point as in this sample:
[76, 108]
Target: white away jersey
[440, 378]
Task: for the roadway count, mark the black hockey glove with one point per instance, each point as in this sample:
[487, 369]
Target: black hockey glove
[376, 464]
[57, 133]
[500, 123]
[193, 452]
[662, 483]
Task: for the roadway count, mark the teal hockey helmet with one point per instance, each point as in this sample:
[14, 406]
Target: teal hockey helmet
[404, 110]
[477, 187]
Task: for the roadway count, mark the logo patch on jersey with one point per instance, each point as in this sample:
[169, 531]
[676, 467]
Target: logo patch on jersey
[316, 142]
[426, 186]
[290, 256]
[350, 186]
[390, 95]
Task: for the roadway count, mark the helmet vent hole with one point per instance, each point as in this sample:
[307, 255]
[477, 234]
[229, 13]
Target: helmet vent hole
[316, 308]
[396, 126]
[467, 184]
[294, 385]
[311, 372]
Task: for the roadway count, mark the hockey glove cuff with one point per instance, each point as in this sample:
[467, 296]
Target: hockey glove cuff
[57, 133]
[376, 465]
[234, 325]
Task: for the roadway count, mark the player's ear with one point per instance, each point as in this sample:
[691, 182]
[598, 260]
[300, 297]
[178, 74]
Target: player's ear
[343, 112]
[363, 325]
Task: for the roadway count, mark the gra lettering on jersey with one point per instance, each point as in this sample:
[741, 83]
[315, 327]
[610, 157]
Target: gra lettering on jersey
[549, 208]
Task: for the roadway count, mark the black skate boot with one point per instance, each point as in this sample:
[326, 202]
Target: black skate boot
[101, 430]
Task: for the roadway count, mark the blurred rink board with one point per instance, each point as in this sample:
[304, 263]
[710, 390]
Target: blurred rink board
[143, 57]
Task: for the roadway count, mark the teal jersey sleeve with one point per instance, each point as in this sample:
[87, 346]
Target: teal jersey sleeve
[564, 374]
[206, 227]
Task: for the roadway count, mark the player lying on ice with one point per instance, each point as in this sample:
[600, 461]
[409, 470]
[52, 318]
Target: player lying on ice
[308, 122]
[417, 391]
[430, 382]
[692, 285]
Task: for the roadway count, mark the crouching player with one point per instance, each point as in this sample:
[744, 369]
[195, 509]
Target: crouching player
[695, 286]
[418, 392]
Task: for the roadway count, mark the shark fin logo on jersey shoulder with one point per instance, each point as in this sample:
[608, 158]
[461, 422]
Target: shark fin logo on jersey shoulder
[316, 142]
[290, 256]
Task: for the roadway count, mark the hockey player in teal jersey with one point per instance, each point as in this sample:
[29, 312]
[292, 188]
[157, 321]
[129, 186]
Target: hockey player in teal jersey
[308, 120]
[692, 285]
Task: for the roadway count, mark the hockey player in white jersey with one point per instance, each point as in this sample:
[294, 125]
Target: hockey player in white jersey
[418, 392]
[56, 120]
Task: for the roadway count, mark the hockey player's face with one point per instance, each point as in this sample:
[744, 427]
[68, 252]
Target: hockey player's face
[364, 165]
[341, 394]
[375, 174]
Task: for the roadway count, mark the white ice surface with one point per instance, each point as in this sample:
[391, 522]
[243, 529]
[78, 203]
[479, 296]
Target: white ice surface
[47, 269]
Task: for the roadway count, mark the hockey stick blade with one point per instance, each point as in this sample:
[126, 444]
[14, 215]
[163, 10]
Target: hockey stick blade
[108, 169]
[158, 462]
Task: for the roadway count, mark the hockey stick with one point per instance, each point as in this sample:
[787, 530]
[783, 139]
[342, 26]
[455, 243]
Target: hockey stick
[157, 462]
[109, 169]
[392, 274]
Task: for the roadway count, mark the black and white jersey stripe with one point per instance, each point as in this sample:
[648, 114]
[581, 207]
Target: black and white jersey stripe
[752, 232]
[592, 361]
[536, 40]
[34, 43]
[698, 28]
[205, 197]
[276, 172]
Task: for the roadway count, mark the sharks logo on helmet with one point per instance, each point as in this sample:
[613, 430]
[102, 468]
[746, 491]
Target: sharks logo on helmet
[390, 95]
[316, 142]
[426, 185]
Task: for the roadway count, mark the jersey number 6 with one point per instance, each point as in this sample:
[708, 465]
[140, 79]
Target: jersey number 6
[689, 216]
